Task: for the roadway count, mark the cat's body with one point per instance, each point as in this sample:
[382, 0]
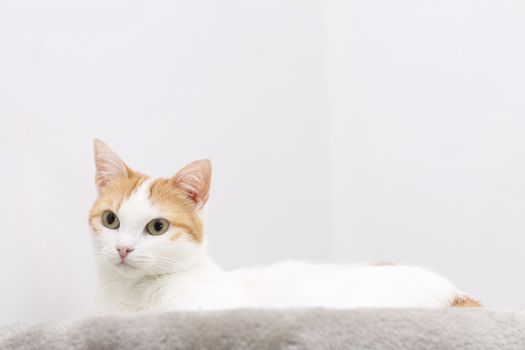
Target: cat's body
[149, 240]
[287, 284]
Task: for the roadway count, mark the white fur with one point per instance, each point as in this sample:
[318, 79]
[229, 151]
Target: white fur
[178, 275]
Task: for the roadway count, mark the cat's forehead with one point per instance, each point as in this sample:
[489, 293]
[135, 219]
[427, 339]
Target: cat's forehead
[138, 206]
[138, 198]
[121, 190]
[138, 194]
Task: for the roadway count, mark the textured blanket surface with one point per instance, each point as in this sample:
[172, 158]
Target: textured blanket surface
[376, 329]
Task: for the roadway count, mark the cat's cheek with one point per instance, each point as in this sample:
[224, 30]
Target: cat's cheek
[104, 241]
[175, 235]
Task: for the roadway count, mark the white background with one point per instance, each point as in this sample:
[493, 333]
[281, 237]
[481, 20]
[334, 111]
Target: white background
[339, 131]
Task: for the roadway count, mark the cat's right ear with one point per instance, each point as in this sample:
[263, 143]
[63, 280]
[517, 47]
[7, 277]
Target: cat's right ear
[108, 164]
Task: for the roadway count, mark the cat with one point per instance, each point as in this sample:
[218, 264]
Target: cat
[150, 247]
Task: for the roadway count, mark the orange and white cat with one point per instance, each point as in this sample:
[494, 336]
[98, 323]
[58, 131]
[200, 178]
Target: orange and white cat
[150, 246]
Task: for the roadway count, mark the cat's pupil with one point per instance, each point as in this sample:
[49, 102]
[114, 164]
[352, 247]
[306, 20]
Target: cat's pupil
[158, 225]
[110, 218]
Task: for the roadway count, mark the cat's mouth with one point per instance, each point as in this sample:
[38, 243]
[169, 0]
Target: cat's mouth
[125, 265]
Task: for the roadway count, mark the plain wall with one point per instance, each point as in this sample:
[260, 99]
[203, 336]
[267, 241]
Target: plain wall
[339, 131]
[427, 138]
[163, 83]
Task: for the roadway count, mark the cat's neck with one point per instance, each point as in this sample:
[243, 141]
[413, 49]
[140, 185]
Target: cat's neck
[108, 274]
[119, 293]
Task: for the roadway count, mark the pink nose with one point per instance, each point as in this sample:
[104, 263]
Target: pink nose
[124, 251]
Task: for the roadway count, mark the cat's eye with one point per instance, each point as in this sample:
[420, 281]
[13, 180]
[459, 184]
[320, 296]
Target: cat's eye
[157, 226]
[110, 220]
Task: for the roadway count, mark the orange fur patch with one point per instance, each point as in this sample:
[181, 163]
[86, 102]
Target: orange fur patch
[465, 301]
[179, 209]
[113, 194]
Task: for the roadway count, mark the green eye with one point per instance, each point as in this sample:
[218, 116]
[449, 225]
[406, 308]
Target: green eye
[110, 220]
[156, 227]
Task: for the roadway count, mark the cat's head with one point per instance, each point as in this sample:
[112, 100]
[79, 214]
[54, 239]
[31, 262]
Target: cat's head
[144, 226]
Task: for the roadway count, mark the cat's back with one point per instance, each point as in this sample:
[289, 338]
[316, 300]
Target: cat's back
[296, 284]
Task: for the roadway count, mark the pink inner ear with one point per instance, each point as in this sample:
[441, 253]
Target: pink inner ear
[108, 164]
[194, 179]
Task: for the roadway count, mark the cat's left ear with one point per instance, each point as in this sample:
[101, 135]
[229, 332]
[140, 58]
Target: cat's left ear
[194, 179]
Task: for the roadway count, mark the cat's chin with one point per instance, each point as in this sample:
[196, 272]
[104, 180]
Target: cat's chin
[128, 271]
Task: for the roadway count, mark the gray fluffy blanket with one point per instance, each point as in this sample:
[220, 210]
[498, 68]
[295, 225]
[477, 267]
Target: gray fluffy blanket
[376, 329]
